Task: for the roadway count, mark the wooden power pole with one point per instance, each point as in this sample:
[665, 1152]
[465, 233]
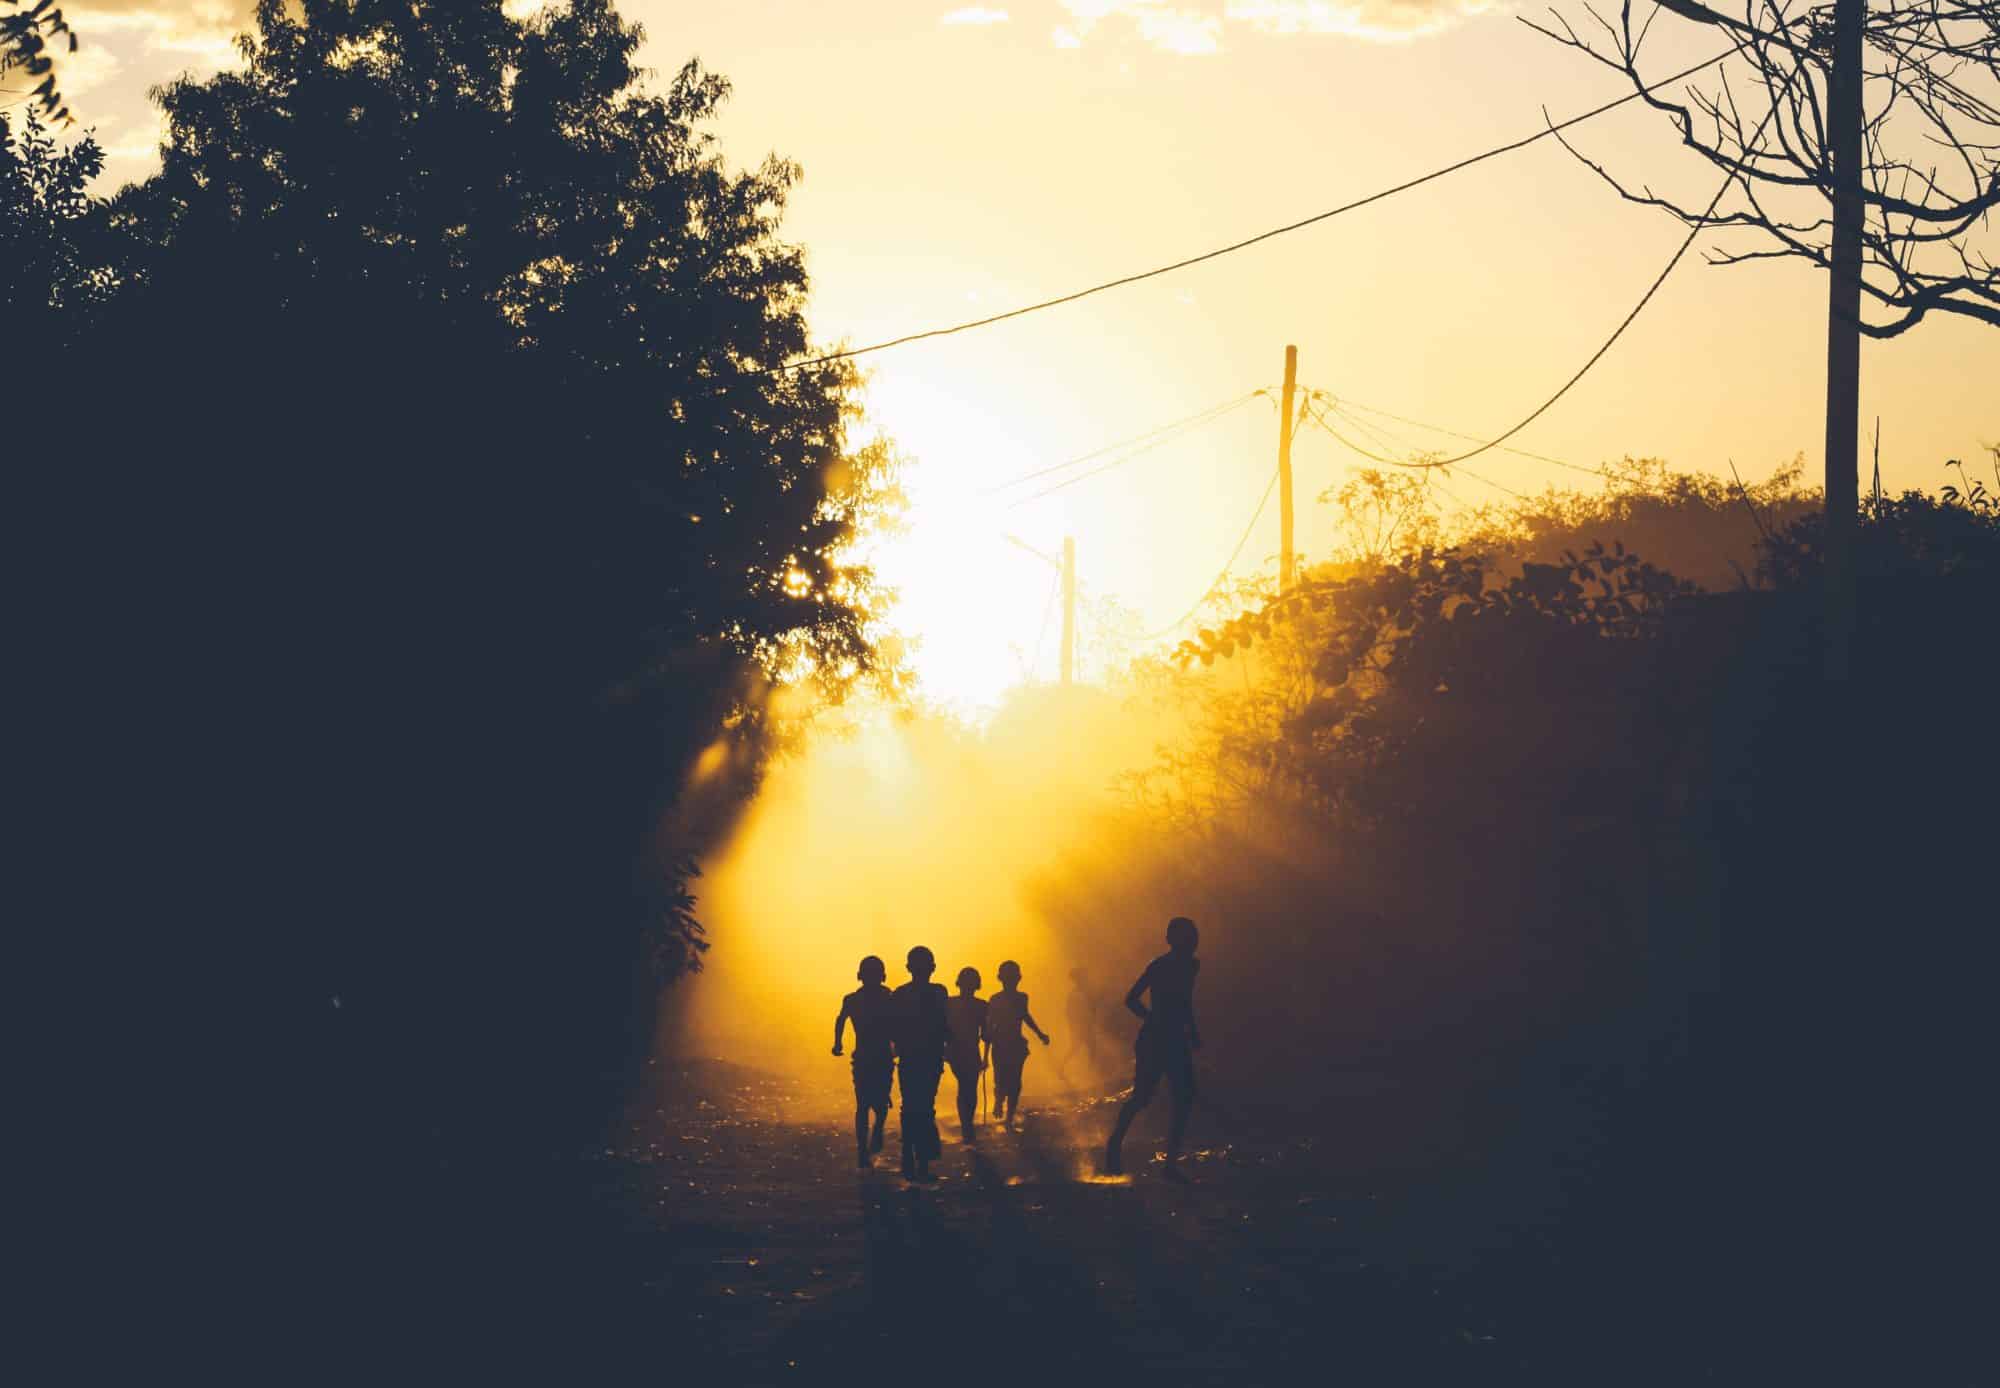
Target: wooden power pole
[1843, 333]
[1287, 560]
[1069, 610]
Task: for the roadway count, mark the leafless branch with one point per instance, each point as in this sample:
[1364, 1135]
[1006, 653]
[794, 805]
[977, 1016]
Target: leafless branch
[1930, 142]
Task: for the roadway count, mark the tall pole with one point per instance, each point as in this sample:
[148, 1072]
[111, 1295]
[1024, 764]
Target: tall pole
[1069, 610]
[1843, 334]
[1287, 560]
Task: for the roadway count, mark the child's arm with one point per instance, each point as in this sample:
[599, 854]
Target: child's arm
[1133, 998]
[1033, 1025]
[840, 1025]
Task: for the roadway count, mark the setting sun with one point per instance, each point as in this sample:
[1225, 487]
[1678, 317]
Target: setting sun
[976, 604]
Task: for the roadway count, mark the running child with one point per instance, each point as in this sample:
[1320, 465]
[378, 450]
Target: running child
[1006, 1013]
[917, 1023]
[966, 1016]
[874, 1060]
[1168, 1039]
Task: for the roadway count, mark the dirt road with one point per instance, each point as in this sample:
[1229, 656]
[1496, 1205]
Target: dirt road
[752, 1249]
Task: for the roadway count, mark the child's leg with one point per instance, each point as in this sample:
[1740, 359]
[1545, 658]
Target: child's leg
[1007, 1080]
[1145, 1079]
[968, 1091]
[909, 1136]
[1181, 1078]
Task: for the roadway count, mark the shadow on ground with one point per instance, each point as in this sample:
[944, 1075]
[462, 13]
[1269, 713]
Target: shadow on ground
[739, 1240]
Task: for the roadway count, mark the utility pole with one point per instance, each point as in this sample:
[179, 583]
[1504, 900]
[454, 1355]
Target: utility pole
[1843, 334]
[1069, 611]
[1287, 561]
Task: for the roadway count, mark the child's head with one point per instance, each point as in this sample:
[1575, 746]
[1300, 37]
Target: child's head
[968, 980]
[872, 970]
[1182, 936]
[1010, 974]
[922, 963]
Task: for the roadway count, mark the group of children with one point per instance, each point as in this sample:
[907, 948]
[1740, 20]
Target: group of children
[915, 1031]
[910, 1034]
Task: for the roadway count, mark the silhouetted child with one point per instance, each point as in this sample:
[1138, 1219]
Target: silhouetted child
[1006, 1012]
[966, 1017]
[920, 1031]
[874, 1057]
[1168, 1039]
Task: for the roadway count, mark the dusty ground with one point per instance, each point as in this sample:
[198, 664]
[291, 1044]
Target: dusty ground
[747, 1246]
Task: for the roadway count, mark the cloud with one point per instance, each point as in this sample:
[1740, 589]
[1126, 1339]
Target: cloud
[1185, 32]
[974, 14]
[203, 30]
[86, 70]
[1387, 21]
[1199, 30]
[1189, 32]
[133, 150]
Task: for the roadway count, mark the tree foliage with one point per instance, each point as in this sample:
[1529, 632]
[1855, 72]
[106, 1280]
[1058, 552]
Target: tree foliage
[1911, 536]
[1474, 815]
[27, 27]
[1373, 662]
[514, 179]
[435, 502]
[1388, 666]
[47, 280]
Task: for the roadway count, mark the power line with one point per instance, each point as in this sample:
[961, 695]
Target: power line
[1318, 416]
[1437, 481]
[1374, 431]
[1497, 486]
[1199, 417]
[1343, 404]
[850, 353]
[1124, 458]
[1227, 564]
[1700, 225]
[1389, 442]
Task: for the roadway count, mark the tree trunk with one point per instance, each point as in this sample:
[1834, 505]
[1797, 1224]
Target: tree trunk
[1843, 335]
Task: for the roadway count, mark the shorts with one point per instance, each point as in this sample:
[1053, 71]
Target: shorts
[919, 1080]
[872, 1075]
[1008, 1058]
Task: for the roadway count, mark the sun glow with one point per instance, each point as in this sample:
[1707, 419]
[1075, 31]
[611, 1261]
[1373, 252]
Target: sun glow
[977, 606]
[897, 832]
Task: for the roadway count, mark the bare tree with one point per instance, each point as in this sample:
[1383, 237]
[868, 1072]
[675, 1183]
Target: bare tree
[1868, 144]
[1930, 171]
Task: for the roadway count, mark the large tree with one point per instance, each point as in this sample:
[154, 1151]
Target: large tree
[449, 504]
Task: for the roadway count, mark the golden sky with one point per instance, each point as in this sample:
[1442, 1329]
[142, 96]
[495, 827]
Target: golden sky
[960, 160]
